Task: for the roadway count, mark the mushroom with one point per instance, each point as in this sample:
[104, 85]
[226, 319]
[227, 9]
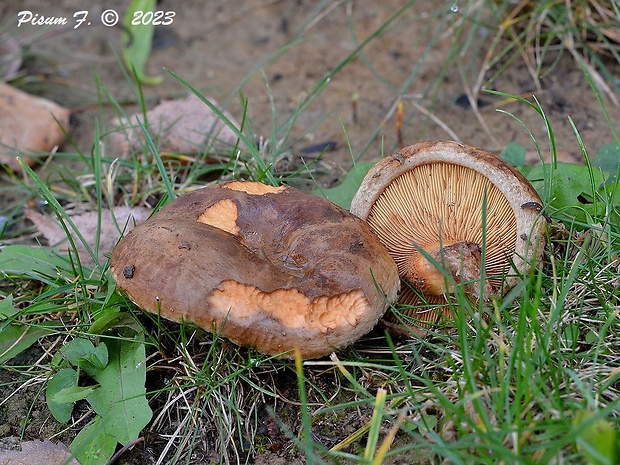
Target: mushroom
[435, 206]
[269, 267]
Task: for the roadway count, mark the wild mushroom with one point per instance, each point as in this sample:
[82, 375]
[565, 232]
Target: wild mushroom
[435, 205]
[273, 268]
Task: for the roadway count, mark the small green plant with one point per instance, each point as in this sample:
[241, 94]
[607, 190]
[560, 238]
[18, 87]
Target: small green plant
[116, 367]
[138, 36]
[110, 375]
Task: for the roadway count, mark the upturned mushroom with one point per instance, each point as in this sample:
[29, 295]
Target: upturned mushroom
[272, 268]
[435, 206]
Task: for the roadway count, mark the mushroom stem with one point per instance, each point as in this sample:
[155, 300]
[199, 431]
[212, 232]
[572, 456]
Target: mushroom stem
[461, 259]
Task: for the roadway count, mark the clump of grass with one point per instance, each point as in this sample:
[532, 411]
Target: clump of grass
[508, 387]
[540, 32]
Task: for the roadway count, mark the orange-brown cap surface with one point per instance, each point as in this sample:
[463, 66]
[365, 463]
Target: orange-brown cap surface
[272, 268]
[444, 203]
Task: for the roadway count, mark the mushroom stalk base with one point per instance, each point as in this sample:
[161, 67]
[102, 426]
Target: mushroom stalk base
[461, 259]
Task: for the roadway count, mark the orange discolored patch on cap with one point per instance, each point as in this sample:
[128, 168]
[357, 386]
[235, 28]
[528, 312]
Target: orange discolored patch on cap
[222, 215]
[275, 269]
[248, 305]
[253, 188]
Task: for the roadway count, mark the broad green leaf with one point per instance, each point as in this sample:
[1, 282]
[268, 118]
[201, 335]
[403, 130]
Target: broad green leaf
[38, 263]
[592, 337]
[75, 349]
[108, 298]
[113, 318]
[6, 308]
[83, 353]
[514, 154]
[612, 192]
[608, 158]
[343, 193]
[429, 421]
[96, 361]
[92, 445]
[63, 379]
[16, 337]
[571, 334]
[121, 395]
[138, 41]
[598, 441]
[72, 394]
[571, 188]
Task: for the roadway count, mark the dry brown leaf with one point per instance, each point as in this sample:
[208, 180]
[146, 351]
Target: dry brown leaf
[38, 453]
[27, 125]
[10, 57]
[86, 223]
[183, 126]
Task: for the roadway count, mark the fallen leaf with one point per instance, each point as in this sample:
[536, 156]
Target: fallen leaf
[86, 222]
[38, 453]
[186, 126]
[27, 125]
[10, 57]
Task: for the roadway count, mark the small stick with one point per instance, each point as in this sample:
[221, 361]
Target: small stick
[124, 449]
[399, 123]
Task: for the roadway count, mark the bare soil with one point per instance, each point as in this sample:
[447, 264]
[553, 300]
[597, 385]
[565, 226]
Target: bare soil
[215, 45]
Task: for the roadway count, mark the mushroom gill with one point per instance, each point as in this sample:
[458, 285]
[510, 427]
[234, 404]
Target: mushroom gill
[435, 206]
[450, 214]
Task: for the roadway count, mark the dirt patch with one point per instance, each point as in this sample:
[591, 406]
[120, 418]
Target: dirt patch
[215, 46]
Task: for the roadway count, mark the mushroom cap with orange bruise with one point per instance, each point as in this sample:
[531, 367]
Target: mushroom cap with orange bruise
[272, 268]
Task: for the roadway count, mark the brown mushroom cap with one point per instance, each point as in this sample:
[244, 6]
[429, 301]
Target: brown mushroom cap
[433, 196]
[272, 268]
